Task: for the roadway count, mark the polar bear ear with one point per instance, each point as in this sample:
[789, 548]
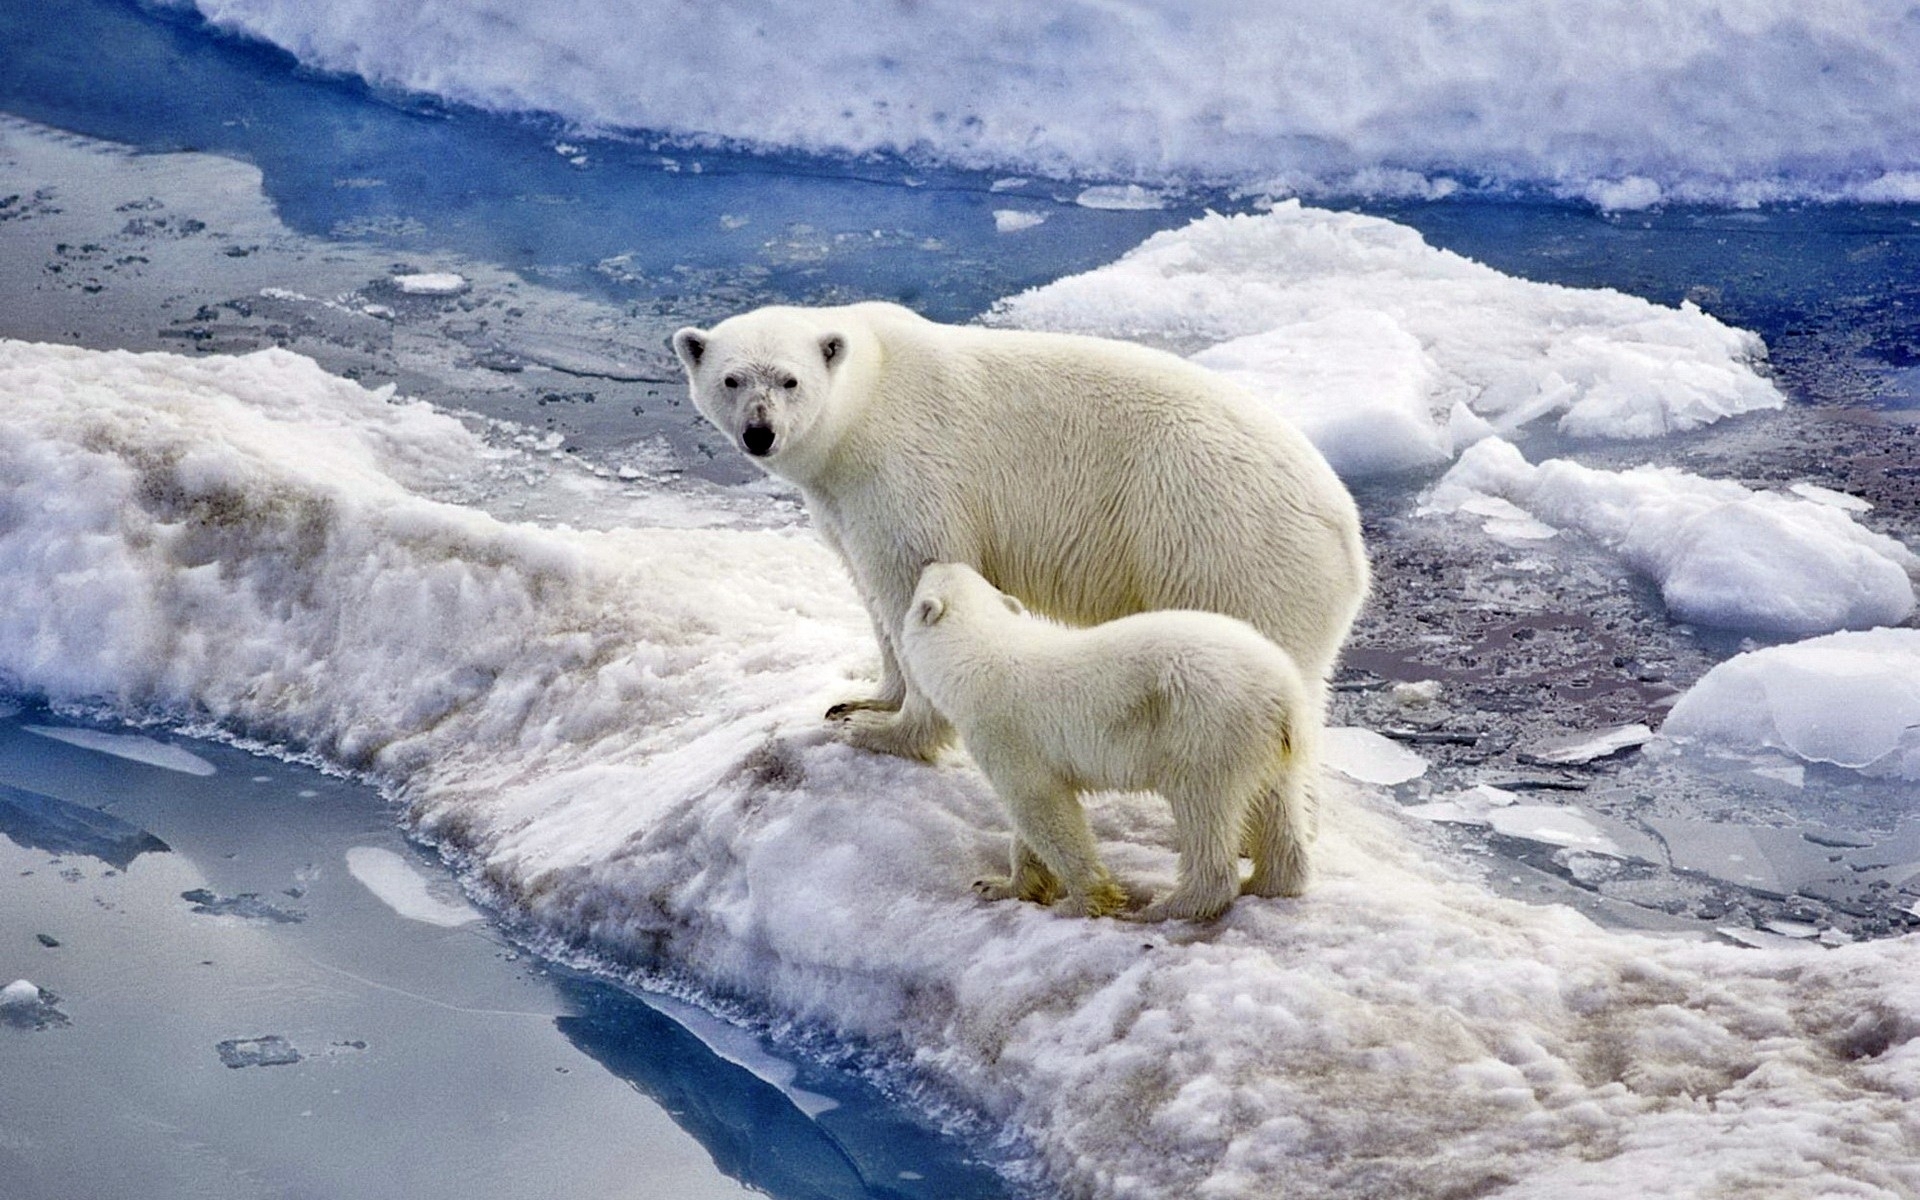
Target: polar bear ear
[1013, 605]
[930, 610]
[833, 348]
[691, 345]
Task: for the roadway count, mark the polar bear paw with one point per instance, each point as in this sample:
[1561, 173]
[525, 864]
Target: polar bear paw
[1104, 899]
[1188, 904]
[846, 708]
[892, 733]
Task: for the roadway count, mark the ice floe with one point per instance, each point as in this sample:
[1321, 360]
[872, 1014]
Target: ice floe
[619, 733]
[1721, 553]
[1393, 355]
[1851, 699]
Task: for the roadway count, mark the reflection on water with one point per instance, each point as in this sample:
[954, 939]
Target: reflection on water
[236, 1011]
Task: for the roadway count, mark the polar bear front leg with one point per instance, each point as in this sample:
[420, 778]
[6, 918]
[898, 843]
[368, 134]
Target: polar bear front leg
[1049, 824]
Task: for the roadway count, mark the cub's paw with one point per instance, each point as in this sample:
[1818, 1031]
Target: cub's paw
[886, 733]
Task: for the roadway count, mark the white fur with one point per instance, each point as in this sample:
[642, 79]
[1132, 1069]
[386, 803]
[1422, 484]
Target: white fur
[1196, 706]
[1093, 479]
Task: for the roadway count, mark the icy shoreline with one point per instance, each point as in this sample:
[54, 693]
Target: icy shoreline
[1615, 103]
[619, 730]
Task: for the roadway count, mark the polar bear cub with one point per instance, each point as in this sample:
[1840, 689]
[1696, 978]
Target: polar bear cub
[1197, 706]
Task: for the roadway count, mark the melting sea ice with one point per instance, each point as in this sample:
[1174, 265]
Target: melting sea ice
[587, 655]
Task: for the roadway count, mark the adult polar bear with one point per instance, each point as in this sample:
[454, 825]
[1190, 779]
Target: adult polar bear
[1090, 478]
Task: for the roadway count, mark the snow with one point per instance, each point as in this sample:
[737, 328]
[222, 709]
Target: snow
[1392, 355]
[1851, 699]
[618, 734]
[401, 886]
[130, 746]
[1624, 103]
[18, 994]
[1721, 554]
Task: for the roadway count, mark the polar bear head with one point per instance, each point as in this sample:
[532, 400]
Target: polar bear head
[766, 380]
[956, 592]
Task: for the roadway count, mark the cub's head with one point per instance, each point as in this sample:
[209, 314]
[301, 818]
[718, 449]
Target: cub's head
[764, 379]
[954, 594]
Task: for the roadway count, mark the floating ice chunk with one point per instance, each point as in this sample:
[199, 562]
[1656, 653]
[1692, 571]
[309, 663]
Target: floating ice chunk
[400, 886]
[1851, 699]
[270, 1051]
[1631, 194]
[1306, 306]
[1722, 555]
[131, 746]
[1496, 808]
[431, 283]
[1588, 747]
[744, 1050]
[1121, 196]
[1013, 220]
[1820, 495]
[1366, 756]
[23, 1005]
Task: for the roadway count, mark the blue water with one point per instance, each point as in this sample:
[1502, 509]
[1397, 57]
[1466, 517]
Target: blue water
[1831, 288]
[275, 1024]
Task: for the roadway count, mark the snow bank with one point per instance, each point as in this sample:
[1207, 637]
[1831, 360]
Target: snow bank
[1391, 354]
[1625, 102]
[619, 734]
[1721, 554]
[1852, 699]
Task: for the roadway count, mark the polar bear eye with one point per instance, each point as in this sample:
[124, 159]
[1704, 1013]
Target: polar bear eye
[789, 383]
[732, 381]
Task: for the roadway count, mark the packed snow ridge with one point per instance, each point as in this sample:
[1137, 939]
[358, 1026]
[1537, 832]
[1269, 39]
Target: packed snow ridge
[620, 733]
[1620, 102]
[1722, 555]
[1393, 355]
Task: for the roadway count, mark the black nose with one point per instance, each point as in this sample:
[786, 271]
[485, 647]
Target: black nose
[758, 439]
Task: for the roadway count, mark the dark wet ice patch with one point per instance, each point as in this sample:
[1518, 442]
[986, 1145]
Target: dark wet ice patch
[40, 822]
[269, 1051]
[249, 905]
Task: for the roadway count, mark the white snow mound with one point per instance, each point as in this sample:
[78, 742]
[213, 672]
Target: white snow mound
[1391, 354]
[1626, 102]
[1852, 699]
[1722, 555]
[621, 732]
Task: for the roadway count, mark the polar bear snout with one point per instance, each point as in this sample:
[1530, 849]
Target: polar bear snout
[756, 437]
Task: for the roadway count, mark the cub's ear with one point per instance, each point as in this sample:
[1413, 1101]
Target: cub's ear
[930, 610]
[1014, 606]
[833, 348]
[690, 344]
